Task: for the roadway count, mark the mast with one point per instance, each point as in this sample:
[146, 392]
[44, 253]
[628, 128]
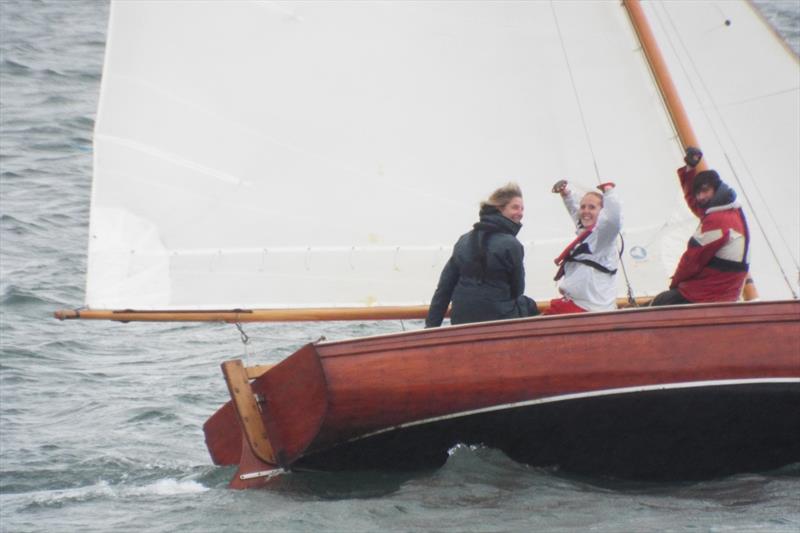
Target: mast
[662, 76]
[673, 102]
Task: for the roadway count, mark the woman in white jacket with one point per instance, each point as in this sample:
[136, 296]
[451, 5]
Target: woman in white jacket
[587, 271]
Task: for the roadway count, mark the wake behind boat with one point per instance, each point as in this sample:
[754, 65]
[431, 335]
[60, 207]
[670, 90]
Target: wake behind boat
[315, 161]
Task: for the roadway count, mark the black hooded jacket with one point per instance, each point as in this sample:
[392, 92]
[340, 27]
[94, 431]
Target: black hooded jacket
[485, 277]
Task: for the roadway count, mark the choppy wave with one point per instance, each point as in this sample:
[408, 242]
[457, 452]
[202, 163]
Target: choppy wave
[102, 490]
[152, 415]
[16, 296]
[13, 224]
[12, 67]
[783, 15]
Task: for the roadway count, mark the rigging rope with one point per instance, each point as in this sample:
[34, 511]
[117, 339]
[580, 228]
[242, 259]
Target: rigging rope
[736, 149]
[245, 341]
[631, 298]
[575, 93]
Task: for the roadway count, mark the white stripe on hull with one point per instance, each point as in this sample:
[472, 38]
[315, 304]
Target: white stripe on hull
[581, 395]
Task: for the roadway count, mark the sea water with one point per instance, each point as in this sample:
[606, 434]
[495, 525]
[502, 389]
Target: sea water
[100, 423]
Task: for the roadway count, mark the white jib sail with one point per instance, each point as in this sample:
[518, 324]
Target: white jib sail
[328, 154]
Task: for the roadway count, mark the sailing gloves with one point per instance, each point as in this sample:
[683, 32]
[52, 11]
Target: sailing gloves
[560, 186]
[693, 156]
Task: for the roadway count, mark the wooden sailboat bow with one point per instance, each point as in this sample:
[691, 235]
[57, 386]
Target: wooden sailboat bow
[671, 98]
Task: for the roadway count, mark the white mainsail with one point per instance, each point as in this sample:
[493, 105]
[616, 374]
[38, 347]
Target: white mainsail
[317, 154]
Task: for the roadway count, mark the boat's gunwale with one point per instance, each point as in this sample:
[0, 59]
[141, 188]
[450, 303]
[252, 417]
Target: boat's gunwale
[601, 321]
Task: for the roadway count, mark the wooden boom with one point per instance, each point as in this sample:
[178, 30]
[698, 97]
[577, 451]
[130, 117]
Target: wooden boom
[272, 315]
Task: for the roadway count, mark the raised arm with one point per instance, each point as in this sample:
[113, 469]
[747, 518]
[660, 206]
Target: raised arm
[686, 176]
[570, 201]
[609, 222]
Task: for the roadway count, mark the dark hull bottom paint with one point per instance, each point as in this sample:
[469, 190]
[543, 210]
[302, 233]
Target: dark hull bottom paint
[672, 434]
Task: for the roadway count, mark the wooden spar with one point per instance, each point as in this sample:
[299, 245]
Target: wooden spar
[671, 98]
[248, 315]
[247, 410]
[662, 76]
[272, 315]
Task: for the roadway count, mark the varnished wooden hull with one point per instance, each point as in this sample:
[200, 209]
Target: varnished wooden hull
[656, 393]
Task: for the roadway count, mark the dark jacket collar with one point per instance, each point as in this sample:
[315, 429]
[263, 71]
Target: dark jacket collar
[492, 221]
[724, 195]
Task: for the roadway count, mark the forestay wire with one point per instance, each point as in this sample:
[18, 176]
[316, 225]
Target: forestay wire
[631, 297]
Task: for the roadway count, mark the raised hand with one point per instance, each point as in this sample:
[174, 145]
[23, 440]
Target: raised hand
[560, 187]
[693, 156]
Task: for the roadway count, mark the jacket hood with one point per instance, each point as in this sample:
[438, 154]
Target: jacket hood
[492, 221]
[723, 196]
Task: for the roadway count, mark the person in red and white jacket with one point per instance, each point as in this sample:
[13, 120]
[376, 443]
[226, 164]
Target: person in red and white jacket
[587, 272]
[716, 261]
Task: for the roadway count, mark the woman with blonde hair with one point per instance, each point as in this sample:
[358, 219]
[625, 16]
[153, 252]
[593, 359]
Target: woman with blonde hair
[587, 268]
[485, 277]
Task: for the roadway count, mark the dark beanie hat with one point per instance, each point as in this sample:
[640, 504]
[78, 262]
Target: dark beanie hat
[706, 177]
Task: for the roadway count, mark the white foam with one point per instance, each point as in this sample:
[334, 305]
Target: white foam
[49, 498]
[166, 487]
[102, 489]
